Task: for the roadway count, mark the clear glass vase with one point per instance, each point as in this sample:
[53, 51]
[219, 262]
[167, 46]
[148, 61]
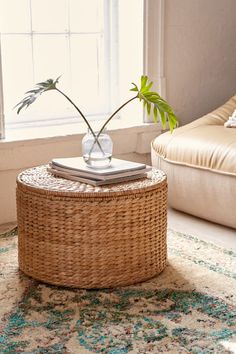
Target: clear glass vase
[97, 153]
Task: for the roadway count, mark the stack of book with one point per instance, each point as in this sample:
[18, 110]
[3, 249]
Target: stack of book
[74, 168]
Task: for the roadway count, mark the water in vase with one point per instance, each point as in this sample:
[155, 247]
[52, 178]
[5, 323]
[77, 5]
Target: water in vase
[97, 153]
[98, 160]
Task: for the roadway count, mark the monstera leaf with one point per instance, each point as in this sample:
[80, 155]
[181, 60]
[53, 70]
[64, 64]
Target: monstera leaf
[33, 94]
[152, 101]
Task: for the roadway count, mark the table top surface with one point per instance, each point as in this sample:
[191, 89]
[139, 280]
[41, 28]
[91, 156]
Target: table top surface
[38, 178]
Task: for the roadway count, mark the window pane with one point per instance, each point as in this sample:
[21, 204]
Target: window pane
[86, 16]
[51, 56]
[96, 45]
[87, 67]
[49, 16]
[51, 60]
[14, 16]
[17, 74]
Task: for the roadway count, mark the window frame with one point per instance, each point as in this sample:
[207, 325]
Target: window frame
[153, 51]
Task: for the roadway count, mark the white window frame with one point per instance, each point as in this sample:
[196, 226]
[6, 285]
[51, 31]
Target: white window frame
[153, 51]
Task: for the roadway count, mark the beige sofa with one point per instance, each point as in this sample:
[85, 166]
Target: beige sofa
[200, 161]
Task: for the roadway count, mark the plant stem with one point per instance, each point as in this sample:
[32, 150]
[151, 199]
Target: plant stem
[107, 121]
[113, 114]
[84, 118]
[82, 115]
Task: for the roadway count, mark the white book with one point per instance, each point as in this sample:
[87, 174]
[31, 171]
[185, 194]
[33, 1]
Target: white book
[94, 182]
[118, 168]
[100, 177]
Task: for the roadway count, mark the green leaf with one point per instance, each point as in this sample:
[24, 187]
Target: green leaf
[135, 88]
[33, 94]
[148, 108]
[163, 118]
[152, 96]
[162, 104]
[152, 99]
[42, 84]
[57, 79]
[140, 96]
[152, 93]
[32, 91]
[143, 81]
[155, 114]
[149, 86]
[145, 89]
[172, 121]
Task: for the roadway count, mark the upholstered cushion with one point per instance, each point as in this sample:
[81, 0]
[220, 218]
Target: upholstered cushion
[200, 162]
[204, 143]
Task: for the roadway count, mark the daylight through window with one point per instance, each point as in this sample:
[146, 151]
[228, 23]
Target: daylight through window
[96, 45]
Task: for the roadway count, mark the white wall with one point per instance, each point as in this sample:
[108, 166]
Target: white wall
[200, 55]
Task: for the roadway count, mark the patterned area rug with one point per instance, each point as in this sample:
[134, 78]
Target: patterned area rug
[189, 308]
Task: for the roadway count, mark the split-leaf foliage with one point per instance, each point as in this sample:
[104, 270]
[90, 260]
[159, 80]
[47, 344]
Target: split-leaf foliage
[153, 103]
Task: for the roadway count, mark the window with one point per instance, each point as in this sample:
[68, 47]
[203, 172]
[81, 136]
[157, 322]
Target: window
[96, 45]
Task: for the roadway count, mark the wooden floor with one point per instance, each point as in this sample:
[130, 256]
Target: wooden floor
[215, 233]
[178, 221]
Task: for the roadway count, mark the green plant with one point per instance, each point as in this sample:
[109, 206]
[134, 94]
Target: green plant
[152, 102]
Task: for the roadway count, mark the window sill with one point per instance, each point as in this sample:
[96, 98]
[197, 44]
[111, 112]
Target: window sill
[38, 135]
[32, 147]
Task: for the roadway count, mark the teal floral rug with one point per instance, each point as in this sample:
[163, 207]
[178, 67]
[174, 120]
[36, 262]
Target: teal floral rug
[189, 308]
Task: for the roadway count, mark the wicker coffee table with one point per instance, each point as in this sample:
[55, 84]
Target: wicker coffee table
[76, 235]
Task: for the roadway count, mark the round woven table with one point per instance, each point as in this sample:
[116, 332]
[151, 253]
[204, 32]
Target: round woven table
[73, 234]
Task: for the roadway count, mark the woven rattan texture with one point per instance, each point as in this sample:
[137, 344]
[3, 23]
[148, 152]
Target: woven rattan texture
[39, 178]
[91, 240]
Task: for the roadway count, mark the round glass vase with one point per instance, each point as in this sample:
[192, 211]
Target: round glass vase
[97, 152]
